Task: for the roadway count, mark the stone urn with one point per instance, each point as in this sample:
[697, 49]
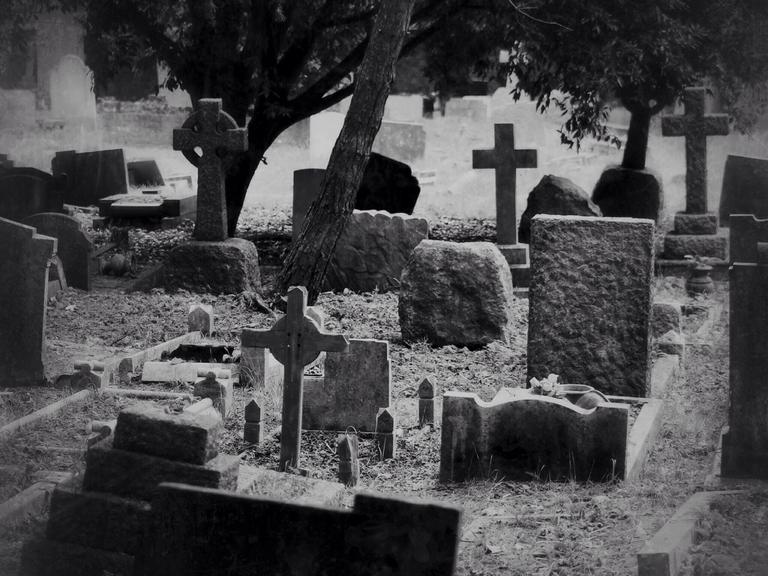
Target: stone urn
[699, 282]
[582, 395]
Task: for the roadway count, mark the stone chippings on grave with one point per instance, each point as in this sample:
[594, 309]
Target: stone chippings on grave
[745, 188]
[629, 193]
[28, 191]
[378, 536]
[91, 176]
[25, 256]
[458, 294]
[520, 435]
[96, 521]
[74, 246]
[373, 250]
[355, 385]
[590, 302]
[745, 443]
[695, 231]
[557, 196]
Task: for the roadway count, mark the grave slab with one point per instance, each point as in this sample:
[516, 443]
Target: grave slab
[590, 302]
[183, 371]
[289, 487]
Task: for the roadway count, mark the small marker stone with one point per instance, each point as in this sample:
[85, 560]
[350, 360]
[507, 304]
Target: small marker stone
[349, 466]
[426, 403]
[385, 434]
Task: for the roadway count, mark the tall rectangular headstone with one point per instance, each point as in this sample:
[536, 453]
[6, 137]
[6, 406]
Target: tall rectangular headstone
[24, 259]
[745, 444]
[590, 302]
[91, 175]
[745, 188]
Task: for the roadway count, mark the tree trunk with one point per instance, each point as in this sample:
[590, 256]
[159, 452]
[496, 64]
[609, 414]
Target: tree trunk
[310, 255]
[637, 138]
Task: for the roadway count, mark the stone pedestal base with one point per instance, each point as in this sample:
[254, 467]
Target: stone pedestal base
[695, 224]
[227, 267]
[738, 462]
[678, 246]
[623, 192]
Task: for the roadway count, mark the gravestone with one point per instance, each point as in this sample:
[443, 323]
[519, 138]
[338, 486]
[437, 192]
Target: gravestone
[745, 443]
[377, 537]
[71, 90]
[373, 250]
[28, 191]
[74, 247]
[472, 109]
[403, 141]
[403, 108]
[211, 262]
[295, 341]
[356, 384]
[520, 435]
[695, 230]
[24, 259]
[91, 176]
[456, 293]
[144, 173]
[745, 188]
[746, 232]
[506, 160]
[590, 302]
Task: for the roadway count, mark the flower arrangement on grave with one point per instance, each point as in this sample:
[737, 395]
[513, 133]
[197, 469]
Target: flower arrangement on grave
[546, 387]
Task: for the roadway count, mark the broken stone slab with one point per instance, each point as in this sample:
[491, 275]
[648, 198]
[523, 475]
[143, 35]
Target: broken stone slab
[413, 537]
[678, 246]
[357, 383]
[183, 371]
[135, 475]
[520, 435]
[95, 519]
[186, 437]
[289, 487]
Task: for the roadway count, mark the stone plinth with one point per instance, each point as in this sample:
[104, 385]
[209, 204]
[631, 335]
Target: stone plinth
[226, 267]
[678, 246]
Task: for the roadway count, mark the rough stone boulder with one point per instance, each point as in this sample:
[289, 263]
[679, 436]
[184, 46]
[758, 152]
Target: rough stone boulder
[387, 185]
[626, 193]
[226, 267]
[453, 293]
[558, 196]
[373, 250]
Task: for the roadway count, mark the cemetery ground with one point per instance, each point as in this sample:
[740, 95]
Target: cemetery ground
[532, 527]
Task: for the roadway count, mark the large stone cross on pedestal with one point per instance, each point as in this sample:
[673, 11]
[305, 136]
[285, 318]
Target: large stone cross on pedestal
[216, 133]
[695, 126]
[506, 160]
[295, 341]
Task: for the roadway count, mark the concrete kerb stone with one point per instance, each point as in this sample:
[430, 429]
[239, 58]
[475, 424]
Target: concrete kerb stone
[642, 436]
[666, 370]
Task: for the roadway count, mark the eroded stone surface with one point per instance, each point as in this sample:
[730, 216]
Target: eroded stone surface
[695, 223]
[678, 246]
[373, 250]
[227, 267]
[590, 302]
[456, 293]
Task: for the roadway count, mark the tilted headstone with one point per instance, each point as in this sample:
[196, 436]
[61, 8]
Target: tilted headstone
[28, 191]
[71, 89]
[523, 436]
[746, 232]
[590, 302]
[356, 384]
[91, 176]
[74, 247]
[695, 125]
[745, 444]
[745, 188]
[295, 341]
[216, 133]
[24, 260]
[379, 536]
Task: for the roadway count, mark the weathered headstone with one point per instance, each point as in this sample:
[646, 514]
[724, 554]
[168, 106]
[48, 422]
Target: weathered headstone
[378, 537]
[746, 232]
[259, 369]
[91, 176]
[356, 384]
[200, 319]
[373, 250]
[456, 293]
[347, 450]
[426, 394]
[74, 247]
[28, 191]
[253, 431]
[24, 260]
[590, 302]
[555, 195]
[629, 193]
[386, 439]
[403, 141]
[218, 387]
[216, 133]
[295, 341]
[71, 89]
[745, 443]
[745, 188]
[144, 173]
[472, 109]
[520, 435]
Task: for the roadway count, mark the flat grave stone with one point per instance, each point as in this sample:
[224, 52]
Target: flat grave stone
[163, 203]
[91, 175]
[28, 191]
[590, 302]
[745, 188]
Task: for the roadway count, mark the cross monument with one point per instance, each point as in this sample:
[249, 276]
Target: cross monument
[215, 132]
[295, 341]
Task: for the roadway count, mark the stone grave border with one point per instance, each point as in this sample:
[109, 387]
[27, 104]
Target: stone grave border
[663, 555]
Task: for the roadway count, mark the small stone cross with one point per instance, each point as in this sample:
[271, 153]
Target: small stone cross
[215, 132]
[295, 341]
[506, 160]
[695, 126]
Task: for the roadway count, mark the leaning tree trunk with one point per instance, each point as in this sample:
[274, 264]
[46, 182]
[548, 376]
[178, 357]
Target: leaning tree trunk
[310, 255]
[637, 138]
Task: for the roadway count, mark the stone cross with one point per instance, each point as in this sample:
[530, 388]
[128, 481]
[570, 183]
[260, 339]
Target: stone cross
[295, 341]
[506, 160]
[695, 126]
[215, 132]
